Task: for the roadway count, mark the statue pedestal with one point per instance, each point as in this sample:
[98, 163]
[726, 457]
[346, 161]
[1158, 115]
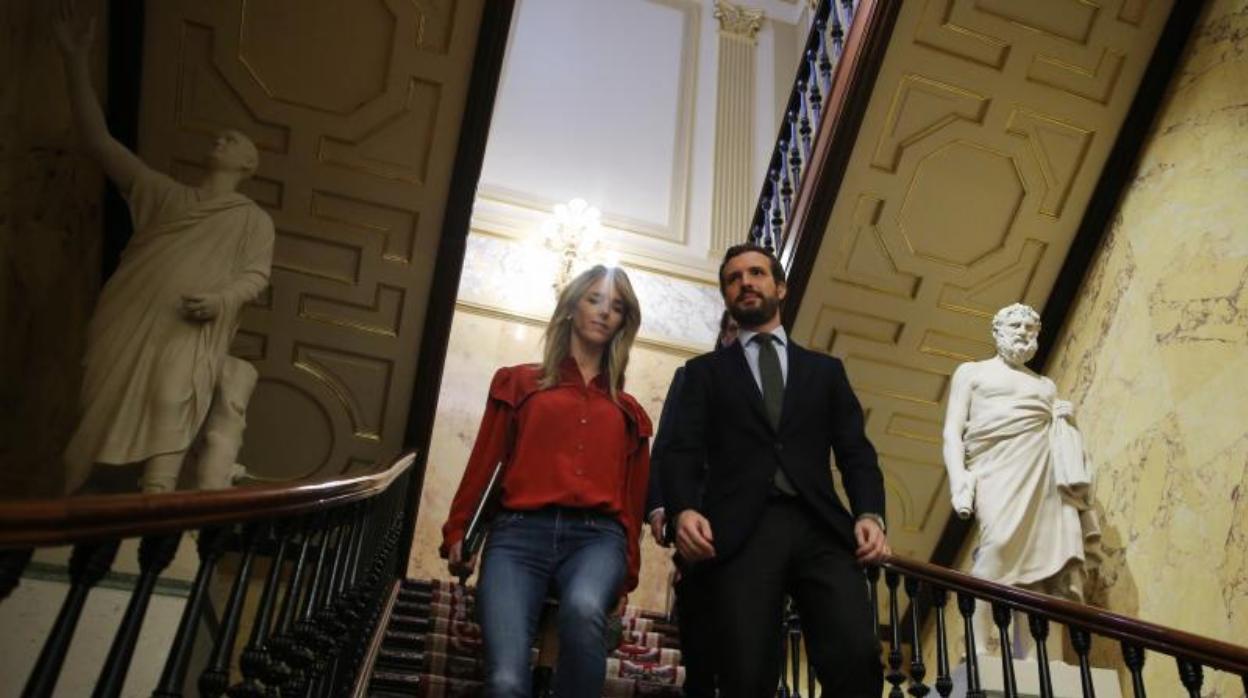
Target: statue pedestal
[1066, 683]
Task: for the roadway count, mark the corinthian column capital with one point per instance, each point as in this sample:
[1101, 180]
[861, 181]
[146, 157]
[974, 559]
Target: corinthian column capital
[738, 21]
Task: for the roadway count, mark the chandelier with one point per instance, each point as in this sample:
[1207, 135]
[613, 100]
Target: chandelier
[574, 234]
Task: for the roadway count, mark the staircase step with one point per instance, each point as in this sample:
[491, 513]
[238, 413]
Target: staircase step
[410, 683]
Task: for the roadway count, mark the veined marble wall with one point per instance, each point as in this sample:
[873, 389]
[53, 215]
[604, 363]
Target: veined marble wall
[481, 341]
[50, 238]
[1155, 358]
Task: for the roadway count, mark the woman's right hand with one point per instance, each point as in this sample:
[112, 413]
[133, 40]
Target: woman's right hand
[457, 565]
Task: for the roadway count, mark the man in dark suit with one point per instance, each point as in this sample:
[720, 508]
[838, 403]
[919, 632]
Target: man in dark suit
[765, 415]
[694, 615]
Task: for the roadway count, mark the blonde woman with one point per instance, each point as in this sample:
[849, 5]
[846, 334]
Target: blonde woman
[576, 463]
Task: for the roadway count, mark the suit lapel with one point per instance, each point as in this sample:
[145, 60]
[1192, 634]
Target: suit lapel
[739, 369]
[799, 369]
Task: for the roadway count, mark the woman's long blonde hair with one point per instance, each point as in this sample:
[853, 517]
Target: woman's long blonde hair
[558, 338]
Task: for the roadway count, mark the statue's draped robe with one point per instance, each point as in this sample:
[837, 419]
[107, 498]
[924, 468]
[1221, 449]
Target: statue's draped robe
[149, 372]
[1031, 483]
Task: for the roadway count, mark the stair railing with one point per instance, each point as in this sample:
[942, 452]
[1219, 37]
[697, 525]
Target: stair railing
[925, 584]
[333, 565]
[825, 105]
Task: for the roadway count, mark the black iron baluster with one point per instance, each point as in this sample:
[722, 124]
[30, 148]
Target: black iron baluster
[803, 120]
[894, 675]
[255, 658]
[1081, 640]
[87, 566]
[795, 652]
[777, 215]
[1192, 675]
[318, 638]
[825, 59]
[918, 670]
[810, 679]
[283, 654]
[155, 554]
[838, 37]
[351, 607]
[814, 90]
[944, 682]
[216, 678]
[786, 183]
[966, 607]
[210, 545]
[303, 655]
[332, 619]
[12, 563]
[1001, 616]
[873, 593]
[764, 237]
[782, 688]
[1039, 626]
[795, 151]
[847, 14]
[1133, 657]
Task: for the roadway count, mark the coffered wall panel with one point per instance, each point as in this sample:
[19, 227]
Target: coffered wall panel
[356, 108]
[983, 139]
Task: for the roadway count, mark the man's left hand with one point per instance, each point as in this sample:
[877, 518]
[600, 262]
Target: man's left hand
[872, 543]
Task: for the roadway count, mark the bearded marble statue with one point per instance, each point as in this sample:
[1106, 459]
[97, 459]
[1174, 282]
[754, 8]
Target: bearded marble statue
[1017, 463]
[157, 375]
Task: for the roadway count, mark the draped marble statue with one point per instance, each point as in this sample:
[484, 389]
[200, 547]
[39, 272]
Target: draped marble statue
[1016, 461]
[157, 374]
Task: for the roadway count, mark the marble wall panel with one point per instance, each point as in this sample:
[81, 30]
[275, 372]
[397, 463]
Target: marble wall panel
[1155, 358]
[515, 276]
[50, 239]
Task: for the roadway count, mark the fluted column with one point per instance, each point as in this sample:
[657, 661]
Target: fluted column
[732, 198]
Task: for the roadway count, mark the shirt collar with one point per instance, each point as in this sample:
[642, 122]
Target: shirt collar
[744, 336]
[570, 373]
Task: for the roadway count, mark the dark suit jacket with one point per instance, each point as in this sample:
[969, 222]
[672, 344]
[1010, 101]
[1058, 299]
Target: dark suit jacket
[722, 423]
[662, 439]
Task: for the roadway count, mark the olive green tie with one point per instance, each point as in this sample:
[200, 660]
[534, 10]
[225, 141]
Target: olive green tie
[773, 396]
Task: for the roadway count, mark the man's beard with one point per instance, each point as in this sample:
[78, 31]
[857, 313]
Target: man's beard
[1017, 356]
[753, 317]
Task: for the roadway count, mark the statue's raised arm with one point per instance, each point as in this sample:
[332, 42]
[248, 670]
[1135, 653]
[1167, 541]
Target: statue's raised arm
[74, 37]
[157, 374]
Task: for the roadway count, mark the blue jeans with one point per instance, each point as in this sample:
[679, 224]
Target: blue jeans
[578, 554]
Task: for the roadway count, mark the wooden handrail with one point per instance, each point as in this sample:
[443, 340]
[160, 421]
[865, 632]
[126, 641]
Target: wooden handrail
[68, 520]
[1207, 651]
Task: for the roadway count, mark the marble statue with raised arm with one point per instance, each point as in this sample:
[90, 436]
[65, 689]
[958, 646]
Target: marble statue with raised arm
[1017, 463]
[157, 374]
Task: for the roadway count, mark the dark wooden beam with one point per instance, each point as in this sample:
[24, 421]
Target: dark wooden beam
[487, 67]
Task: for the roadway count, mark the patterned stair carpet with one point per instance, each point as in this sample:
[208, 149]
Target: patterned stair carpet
[432, 649]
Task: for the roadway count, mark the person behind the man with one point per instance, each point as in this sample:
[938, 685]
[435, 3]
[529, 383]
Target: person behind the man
[156, 366]
[764, 416]
[694, 616]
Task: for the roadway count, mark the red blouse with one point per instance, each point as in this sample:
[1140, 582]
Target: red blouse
[573, 447]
